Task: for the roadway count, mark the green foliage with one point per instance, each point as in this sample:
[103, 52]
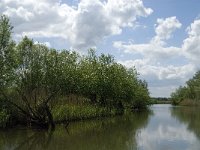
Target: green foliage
[7, 62]
[109, 83]
[190, 92]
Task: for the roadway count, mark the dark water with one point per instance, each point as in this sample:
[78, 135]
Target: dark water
[162, 128]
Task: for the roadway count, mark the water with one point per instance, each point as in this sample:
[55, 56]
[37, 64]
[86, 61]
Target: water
[163, 128]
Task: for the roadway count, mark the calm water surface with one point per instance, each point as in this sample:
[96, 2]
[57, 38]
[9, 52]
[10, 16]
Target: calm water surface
[163, 128]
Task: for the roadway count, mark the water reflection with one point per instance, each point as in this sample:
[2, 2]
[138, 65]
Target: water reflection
[19, 139]
[111, 133]
[188, 116]
[166, 132]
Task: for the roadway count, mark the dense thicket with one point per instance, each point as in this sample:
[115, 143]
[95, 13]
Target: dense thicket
[34, 77]
[188, 94]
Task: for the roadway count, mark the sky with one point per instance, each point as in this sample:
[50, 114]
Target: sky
[160, 38]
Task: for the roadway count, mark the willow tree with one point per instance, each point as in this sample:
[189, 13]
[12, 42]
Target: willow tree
[7, 60]
[38, 79]
[88, 69]
[29, 77]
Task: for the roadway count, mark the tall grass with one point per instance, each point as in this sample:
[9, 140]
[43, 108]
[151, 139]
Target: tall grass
[189, 102]
[70, 112]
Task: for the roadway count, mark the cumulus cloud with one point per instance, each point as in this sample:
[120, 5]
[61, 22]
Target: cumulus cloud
[153, 67]
[84, 25]
[191, 45]
[152, 50]
[157, 51]
[156, 48]
[161, 72]
[165, 28]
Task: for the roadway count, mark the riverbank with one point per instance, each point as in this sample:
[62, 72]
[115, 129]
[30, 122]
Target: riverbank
[74, 109]
[160, 101]
[66, 114]
[188, 102]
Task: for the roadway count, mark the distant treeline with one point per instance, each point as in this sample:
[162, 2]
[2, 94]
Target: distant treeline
[160, 100]
[188, 94]
[33, 78]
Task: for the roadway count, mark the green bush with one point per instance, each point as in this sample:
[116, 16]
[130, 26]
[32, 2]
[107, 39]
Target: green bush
[140, 104]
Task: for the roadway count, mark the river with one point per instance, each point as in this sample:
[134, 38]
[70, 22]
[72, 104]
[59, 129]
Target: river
[164, 127]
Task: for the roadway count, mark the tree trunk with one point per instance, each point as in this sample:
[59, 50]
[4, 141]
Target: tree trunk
[50, 118]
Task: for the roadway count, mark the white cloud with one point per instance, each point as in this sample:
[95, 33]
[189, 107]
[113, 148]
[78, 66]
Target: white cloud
[165, 28]
[146, 68]
[156, 48]
[191, 45]
[152, 50]
[151, 139]
[124, 12]
[155, 65]
[162, 91]
[84, 25]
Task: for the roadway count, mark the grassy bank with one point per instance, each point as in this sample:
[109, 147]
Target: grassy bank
[67, 113]
[188, 102]
[68, 109]
[81, 112]
[62, 114]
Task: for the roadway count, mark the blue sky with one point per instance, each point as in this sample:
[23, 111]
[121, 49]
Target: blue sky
[161, 38]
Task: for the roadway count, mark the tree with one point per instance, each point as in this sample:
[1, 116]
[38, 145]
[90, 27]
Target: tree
[7, 64]
[7, 60]
[38, 81]
[88, 69]
[190, 92]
